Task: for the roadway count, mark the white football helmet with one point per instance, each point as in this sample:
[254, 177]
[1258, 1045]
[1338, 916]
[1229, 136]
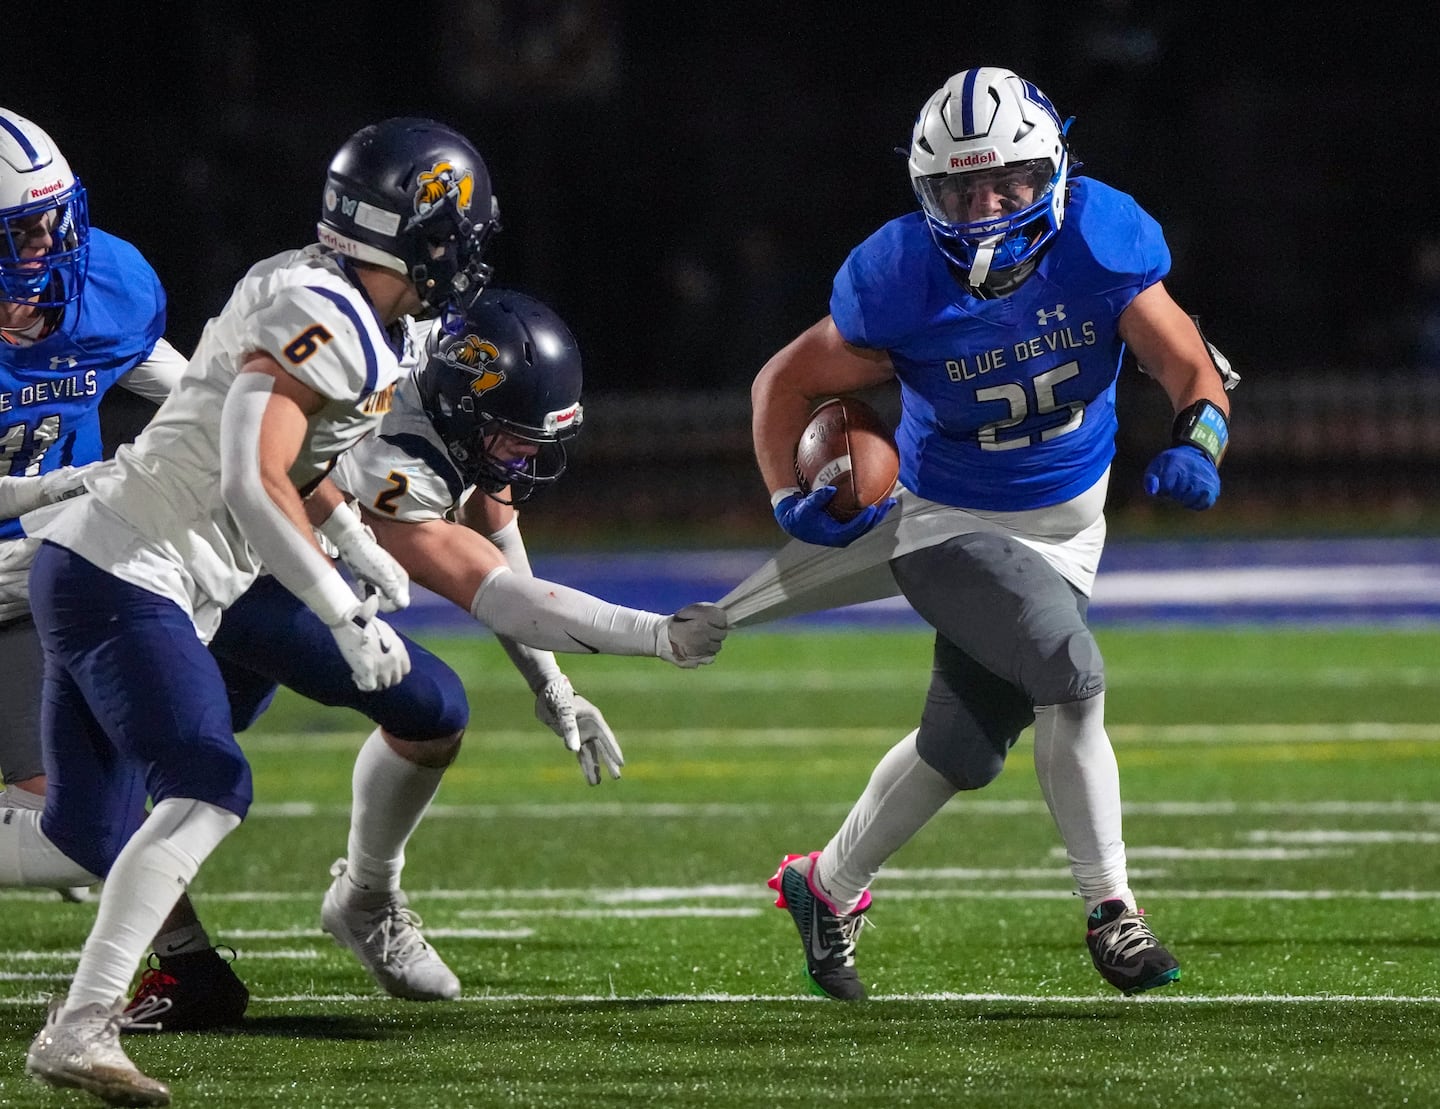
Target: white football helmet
[989, 126]
[35, 181]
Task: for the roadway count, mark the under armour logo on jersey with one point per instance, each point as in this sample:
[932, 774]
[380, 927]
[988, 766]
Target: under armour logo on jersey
[63, 362]
[1057, 314]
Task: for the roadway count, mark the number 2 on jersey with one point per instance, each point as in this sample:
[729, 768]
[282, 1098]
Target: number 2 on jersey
[1014, 394]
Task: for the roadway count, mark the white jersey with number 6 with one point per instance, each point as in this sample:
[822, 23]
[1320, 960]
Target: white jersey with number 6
[156, 518]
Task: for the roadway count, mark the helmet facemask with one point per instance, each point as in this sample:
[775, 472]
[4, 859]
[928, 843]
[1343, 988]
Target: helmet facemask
[482, 467]
[40, 199]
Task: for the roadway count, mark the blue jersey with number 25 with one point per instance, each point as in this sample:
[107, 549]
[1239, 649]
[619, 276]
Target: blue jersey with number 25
[50, 391]
[1007, 404]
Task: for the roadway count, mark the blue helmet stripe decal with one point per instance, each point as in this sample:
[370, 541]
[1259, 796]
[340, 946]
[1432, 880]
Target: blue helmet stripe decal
[967, 104]
[372, 364]
[19, 136]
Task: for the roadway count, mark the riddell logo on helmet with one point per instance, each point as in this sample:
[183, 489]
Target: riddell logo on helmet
[46, 190]
[973, 161]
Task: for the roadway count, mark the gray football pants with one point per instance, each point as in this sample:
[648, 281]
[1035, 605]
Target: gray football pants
[21, 678]
[1010, 635]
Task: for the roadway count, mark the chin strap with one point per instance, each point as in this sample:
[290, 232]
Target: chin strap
[984, 256]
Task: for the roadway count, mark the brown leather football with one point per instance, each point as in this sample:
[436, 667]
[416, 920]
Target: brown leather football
[846, 445]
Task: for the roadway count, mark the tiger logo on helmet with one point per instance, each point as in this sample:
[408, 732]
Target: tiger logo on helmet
[477, 356]
[442, 181]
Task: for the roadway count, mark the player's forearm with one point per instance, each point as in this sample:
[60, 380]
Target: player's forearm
[538, 667]
[257, 492]
[554, 617]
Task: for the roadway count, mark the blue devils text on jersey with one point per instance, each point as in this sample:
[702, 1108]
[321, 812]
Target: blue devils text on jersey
[1009, 404]
[50, 390]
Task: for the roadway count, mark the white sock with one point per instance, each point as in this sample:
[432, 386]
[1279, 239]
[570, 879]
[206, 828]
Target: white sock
[148, 877]
[28, 858]
[904, 792]
[185, 940]
[389, 797]
[1081, 784]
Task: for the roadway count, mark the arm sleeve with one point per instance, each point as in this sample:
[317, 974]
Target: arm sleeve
[287, 552]
[537, 667]
[555, 617]
[155, 377]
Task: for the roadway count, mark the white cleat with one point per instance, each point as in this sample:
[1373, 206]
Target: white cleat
[81, 1051]
[385, 936]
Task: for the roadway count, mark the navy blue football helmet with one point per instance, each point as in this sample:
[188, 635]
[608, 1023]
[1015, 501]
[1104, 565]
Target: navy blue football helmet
[39, 197]
[414, 196]
[514, 367]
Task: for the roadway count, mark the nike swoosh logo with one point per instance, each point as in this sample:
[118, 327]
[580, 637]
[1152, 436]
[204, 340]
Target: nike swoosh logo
[582, 643]
[170, 949]
[817, 950]
[384, 647]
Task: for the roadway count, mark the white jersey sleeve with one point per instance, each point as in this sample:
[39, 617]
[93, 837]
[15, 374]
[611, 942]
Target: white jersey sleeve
[156, 377]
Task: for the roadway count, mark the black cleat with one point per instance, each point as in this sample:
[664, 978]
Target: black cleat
[203, 991]
[828, 935]
[1125, 951]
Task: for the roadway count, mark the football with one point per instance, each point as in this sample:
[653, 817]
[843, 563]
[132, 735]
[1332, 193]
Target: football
[846, 445]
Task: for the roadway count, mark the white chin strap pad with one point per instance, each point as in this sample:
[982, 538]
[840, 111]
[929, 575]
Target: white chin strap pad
[984, 255]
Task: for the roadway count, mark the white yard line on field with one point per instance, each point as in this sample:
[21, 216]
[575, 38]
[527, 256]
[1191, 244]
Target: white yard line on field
[1352, 836]
[833, 737]
[1106, 1000]
[965, 807]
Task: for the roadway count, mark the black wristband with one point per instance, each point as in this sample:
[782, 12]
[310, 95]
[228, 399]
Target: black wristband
[1202, 425]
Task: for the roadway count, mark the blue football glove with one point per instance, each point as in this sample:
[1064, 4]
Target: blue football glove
[805, 518]
[1186, 475]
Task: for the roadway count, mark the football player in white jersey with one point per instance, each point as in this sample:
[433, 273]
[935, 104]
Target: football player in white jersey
[131, 580]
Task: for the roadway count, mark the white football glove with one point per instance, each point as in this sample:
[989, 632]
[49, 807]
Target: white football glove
[375, 569]
[580, 725]
[692, 637]
[20, 494]
[375, 653]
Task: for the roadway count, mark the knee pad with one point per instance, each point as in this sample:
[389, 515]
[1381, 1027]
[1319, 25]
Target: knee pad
[1065, 666]
[210, 771]
[429, 703]
[971, 719]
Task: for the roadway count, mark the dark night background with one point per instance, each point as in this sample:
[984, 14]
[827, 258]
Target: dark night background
[681, 181]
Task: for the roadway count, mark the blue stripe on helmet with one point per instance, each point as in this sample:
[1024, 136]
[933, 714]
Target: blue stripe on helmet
[19, 136]
[372, 365]
[967, 104]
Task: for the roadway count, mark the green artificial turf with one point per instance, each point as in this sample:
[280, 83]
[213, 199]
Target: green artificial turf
[618, 945]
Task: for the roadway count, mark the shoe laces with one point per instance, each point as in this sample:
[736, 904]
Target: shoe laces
[395, 932]
[142, 1012]
[1124, 937]
[153, 984]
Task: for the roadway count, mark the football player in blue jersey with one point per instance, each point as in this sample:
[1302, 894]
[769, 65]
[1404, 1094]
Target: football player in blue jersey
[1003, 309]
[80, 311]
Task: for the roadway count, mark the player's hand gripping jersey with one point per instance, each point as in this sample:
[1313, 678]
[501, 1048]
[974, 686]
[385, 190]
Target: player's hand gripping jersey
[1009, 404]
[156, 518]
